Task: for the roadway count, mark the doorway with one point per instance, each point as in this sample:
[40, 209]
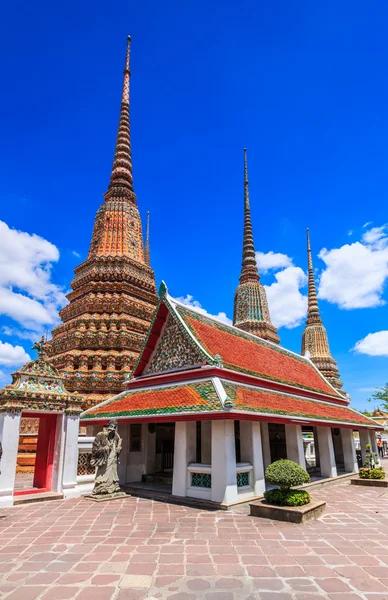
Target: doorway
[277, 441]
[164, 450]
[39, 479]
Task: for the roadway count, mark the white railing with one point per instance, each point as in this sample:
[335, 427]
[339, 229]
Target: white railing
[199, 480]
[85, 473]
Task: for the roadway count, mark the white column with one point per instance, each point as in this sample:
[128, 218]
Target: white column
[326, 452]
[251, 451]
[69, 483]
[184, 454]
[294, 442]
[375, 449]
[349, 451]
[364, 441]
[123, 431]
[266, 445]
[9, 437]
[224, 479]
[206, 442]
[59, 454]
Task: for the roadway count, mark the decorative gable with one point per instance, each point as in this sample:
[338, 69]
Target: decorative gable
[173, 350]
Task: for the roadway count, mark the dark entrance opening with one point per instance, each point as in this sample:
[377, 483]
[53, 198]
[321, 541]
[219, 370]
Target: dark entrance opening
[277, 441]
[310, 445]
[338, 450]
[165, 435]
[40, 479]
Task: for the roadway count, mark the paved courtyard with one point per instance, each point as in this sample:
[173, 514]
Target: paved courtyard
[135, 548]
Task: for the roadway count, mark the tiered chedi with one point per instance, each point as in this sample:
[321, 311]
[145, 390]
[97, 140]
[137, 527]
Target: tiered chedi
[114, 292]
[251, 311]
[314, 339]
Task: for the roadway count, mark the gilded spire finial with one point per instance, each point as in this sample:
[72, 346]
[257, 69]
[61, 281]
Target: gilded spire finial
[313, 315]
[147, 256]
[121, 176]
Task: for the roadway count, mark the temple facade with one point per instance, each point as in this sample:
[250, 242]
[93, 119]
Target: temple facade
[315, 342]
[210, 406]
[113, 295]
[251, 312]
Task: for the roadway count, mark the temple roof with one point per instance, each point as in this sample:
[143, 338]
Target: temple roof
[228, 347]
[38, 386]
[222, 399]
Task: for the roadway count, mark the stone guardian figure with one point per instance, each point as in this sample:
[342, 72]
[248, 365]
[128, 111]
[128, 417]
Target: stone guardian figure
[105, 453]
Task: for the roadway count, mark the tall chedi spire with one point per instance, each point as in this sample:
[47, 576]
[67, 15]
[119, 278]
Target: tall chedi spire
[251, 311]
[113, 295]
[315, 342]
[147, 254]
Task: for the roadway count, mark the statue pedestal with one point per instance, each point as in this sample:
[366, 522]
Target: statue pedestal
[106, 497]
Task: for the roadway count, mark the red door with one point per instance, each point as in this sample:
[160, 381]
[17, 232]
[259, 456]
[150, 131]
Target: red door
[43, 472]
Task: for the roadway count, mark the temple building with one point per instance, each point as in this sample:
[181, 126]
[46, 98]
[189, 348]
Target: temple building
[315, 342]
[209, 406]
[251, 312]
[113, 295]
[37, 393]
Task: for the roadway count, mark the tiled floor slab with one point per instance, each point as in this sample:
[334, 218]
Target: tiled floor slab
[130, 549]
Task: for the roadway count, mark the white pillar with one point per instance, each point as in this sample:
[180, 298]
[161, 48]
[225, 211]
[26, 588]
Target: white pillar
[326, 452]
[184, 454]
[206, 442]
[123, 431]
[375, 449]
[224, 479]
[349, 451]
[294, 442]
[364, 441]
[69, 483]
[251, 451]
[59, 454]
[9, 437]
[266, 445]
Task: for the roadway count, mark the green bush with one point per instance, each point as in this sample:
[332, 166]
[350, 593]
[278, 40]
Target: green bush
[286, 474]
[375, 473]
[287, 497]
[364, 473]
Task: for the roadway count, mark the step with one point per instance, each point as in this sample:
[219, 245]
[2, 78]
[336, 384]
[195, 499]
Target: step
[39, 497]
[158, 478]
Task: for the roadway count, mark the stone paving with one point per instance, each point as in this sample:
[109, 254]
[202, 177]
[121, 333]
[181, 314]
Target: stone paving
[135, 548]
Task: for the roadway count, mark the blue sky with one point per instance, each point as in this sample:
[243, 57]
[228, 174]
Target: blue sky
[302, 85]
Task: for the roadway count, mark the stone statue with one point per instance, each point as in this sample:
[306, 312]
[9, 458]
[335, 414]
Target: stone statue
[105, 453]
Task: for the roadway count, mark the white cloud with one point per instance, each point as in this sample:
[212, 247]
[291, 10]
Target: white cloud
[77, 254]
[350, 232]
[374, 344]
[27, 294]
[355, 273]
[287, 305]
[189, 301]
[272, 260]
[23, 334]
[376, 236]
[12, 355]
[367, 224]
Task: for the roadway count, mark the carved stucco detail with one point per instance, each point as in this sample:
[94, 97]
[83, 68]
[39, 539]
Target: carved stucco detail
[173, 350]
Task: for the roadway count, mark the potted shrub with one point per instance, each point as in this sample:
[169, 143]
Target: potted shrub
[370, 468]
[286, 474]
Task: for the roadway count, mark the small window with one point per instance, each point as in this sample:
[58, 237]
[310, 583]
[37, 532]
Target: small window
[135, 438]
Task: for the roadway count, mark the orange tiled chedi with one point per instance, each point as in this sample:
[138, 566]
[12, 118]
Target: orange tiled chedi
[113, 295]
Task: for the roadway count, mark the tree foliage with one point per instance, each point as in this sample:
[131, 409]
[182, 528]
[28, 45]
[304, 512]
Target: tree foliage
[380, 397]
